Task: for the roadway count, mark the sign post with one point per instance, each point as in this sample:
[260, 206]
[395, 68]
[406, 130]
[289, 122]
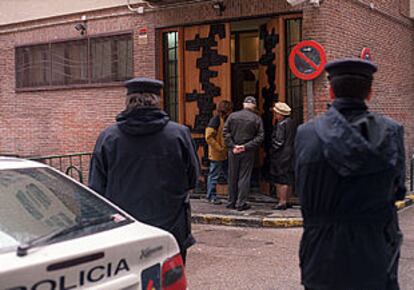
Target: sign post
[309, 93]
[307, 61]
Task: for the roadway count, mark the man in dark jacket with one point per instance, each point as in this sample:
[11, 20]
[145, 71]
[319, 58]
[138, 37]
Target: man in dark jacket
[243, 133]
[349, 173]
[146, 164]
[281, 153]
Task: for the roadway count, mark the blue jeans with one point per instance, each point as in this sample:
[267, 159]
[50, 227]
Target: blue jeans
[216, 167]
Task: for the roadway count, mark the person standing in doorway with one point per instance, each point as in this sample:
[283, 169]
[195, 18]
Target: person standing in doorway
[243, 133]
[349, 172]
[281, 152]
[147, 164]
[217, 150]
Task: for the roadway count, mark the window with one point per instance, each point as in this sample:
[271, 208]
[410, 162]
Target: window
[111, 58]
[170, 60]
[245, 46]
[33, 66]
[75, 62]
[294, 96]
[69, 62]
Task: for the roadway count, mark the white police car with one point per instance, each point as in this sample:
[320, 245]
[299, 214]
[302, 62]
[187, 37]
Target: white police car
[56, 234]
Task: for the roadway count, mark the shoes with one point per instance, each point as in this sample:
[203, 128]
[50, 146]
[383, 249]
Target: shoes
[281, 207]
[244, 207]
[289, 205]
[231, 205]
[215, 201]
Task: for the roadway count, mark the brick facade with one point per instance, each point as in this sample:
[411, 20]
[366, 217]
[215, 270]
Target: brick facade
[69, 120]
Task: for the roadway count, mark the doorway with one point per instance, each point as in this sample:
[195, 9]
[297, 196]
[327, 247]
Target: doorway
[245, 82]
[204, 64]
[245, 68]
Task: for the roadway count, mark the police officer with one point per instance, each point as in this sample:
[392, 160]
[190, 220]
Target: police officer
[146, 164]
[350, 171]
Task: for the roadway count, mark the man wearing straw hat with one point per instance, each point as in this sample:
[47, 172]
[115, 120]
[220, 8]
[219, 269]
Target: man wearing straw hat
[281, 154]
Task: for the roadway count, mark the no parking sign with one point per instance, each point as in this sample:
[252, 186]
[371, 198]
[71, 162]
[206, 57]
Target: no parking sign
[307, 60]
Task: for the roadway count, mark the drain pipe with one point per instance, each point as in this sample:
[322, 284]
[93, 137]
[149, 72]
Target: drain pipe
[412, 174]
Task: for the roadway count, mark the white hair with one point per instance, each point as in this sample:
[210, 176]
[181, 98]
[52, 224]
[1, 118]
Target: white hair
[249, 106]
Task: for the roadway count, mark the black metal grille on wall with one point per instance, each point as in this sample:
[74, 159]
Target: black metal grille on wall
[270, 41]
[294, 94]
[170, 59]
[209, 57]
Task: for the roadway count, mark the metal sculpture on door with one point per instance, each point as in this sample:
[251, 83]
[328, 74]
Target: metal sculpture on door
[210, 57]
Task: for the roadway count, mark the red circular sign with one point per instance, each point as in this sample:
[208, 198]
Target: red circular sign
[307, 60]
[366, 54]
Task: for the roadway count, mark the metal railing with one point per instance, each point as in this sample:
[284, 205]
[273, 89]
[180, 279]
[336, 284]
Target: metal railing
[75, 165]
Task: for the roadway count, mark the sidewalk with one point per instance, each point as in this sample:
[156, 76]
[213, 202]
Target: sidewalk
[261, 213]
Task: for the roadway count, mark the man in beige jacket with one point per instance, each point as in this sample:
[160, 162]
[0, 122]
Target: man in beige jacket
[217, 150]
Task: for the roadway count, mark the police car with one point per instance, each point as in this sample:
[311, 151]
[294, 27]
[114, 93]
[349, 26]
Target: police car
[56, 234]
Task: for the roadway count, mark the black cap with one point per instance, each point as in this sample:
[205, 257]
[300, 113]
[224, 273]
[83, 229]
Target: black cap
[350, 66]
[144, 85]
[250, 100]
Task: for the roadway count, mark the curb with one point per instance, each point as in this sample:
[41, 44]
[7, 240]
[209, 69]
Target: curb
[256, 222]
[409, 200]
[242, 221]
[226, 220]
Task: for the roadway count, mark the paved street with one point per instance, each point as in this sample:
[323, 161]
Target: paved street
[252, 258]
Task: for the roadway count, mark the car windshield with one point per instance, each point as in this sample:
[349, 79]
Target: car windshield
[36, 202]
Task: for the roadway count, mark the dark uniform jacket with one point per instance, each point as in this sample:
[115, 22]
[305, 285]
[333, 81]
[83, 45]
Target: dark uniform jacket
[146, 164]
[349, 172]
[281, 150]
[244, 127]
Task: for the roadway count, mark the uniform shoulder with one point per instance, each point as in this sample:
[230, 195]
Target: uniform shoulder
[392, 123]
[388, 121]
[306, 127]
[110, 132]
[108, 136]
[174, 126]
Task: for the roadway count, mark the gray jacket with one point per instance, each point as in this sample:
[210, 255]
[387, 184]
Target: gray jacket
[243, 127]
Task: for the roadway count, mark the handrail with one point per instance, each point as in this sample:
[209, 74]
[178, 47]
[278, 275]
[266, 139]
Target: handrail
[58, 156]
[67, 163]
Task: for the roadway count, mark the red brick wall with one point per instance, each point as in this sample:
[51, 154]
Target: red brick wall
[67, 121]
[345, 27]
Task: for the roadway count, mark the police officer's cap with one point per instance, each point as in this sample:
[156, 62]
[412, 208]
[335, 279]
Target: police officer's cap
[351, 66]
[144, 85]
